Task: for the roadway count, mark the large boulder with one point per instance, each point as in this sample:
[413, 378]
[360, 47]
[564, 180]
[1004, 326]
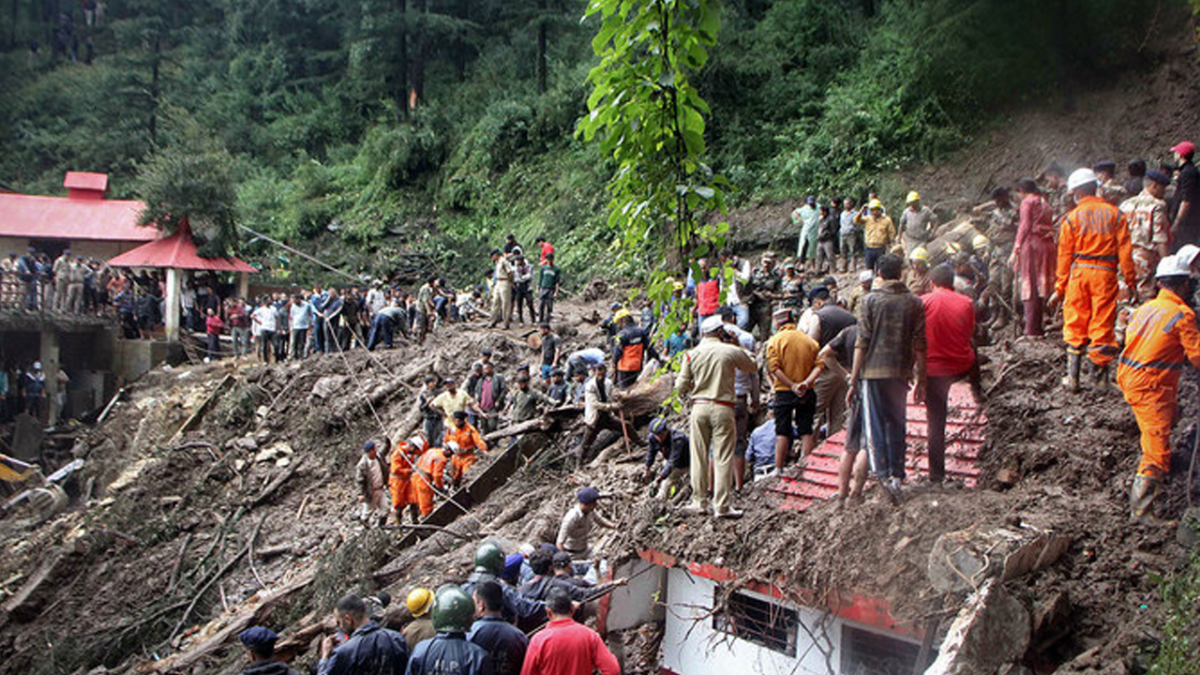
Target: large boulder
[962, 561]
[991, 631]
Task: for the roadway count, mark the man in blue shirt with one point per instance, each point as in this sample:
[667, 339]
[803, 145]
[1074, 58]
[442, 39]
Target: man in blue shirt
[317, 302]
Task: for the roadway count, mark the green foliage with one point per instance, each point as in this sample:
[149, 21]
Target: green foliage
[191, 180]
[311, 100]
[860, 95]
[649, 117]
[652, 117]
[1180, 594]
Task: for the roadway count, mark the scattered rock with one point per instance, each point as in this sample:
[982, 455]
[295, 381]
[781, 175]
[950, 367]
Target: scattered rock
[327, 386]
[1007, 477]
[274, 452]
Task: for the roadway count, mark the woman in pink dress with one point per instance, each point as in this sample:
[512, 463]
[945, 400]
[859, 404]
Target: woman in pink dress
[1033, 256]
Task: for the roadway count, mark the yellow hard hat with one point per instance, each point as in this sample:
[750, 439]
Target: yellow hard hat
[919, 253]
[622, 314]
[419, 601]
[875, 204]
[913, 196]
[678, 285]
[979, 242]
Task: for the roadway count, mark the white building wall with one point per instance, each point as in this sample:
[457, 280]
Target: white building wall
[693, 647]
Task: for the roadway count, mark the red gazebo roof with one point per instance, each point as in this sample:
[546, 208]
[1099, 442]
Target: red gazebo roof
[178, 251]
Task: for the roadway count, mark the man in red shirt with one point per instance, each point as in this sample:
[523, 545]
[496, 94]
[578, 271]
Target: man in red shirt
[708, 292]
[565, 647]
[545, 249]
[949, 328]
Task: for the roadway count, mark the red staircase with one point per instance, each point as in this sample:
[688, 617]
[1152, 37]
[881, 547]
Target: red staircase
[966, 428]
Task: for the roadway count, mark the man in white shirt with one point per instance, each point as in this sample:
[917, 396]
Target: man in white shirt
[263, 324]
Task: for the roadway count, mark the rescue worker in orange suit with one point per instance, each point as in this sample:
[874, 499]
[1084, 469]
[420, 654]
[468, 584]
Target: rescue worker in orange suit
[404, 460]
[469, 442]
[1093, 244]
[630, 349]
[430, 476]
[1159, 341]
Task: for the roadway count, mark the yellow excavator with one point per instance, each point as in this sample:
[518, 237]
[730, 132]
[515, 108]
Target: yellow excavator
[43, 495]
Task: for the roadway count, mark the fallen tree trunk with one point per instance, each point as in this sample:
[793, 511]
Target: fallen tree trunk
[217, 637]
[543, 423]
[194, 419]
[275, 484]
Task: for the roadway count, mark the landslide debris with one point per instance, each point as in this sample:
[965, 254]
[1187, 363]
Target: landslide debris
[158, 563]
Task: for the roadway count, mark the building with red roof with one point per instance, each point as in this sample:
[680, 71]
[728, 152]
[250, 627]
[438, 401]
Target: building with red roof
[83, 221]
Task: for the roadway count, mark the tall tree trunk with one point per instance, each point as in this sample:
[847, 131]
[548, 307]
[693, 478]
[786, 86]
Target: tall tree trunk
[154, 89]
[418, 65]
[400, 93]
[541, 47]
[460, 45]
[12, 37]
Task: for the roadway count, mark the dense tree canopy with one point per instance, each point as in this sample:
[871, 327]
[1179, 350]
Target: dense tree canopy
[447, 121]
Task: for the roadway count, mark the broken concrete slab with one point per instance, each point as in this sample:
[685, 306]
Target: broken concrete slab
[961, 561]
[1052, 621]
[991, 631]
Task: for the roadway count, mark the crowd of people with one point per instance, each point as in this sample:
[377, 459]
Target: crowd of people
[278, 327]
[774, 360]
[517, 614]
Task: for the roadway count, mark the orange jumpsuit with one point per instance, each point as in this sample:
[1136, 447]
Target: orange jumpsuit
[430, 467]
[1161, 337]
[1092, 244]
[469, 441]
[404, 458]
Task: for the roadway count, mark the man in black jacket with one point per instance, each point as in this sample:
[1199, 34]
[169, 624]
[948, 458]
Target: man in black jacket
[371, 649]
[449, 652]
[504, 642]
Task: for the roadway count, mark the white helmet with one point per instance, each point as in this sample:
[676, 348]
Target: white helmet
[417, 442]
[1080, 177]
[1187, 255]
[1170, 267]
[453, 447]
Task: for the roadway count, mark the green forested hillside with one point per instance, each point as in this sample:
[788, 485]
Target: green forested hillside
[438, 124]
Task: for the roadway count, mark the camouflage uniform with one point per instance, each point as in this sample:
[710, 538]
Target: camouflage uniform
[763, 284]
[1002, 235]
[1148, 228]
[793, 291]
[1113, 192]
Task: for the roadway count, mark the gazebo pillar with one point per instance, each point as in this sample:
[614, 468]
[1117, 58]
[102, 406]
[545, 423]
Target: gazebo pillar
[174, 288]
[244, 286]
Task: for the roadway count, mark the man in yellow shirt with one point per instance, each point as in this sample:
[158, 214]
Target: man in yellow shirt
[453, 400]
[793, 366]
[878, 231]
